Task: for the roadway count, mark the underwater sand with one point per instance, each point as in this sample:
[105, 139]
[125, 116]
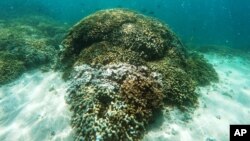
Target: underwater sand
[33, 108]
[220, 105]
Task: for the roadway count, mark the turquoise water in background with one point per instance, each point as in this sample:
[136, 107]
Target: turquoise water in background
[33, 104]
[221, 22]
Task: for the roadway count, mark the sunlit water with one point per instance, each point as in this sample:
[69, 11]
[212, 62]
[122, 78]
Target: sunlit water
[33, 109]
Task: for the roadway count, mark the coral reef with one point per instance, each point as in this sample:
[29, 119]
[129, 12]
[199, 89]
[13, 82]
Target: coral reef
[10, 67]
[200, 71]
[103, 53]
[29, 42]
[114, 102]
[122, 67]
[178, 87]
[123, 28]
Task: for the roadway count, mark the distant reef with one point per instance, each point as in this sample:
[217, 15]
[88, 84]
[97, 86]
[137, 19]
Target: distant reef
[123, 68]
[26, 43]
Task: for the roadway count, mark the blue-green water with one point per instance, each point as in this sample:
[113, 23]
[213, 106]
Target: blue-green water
[223, 22]
[50, 93]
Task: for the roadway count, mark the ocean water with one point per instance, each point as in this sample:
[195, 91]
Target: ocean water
[34, 94]
[222, 22]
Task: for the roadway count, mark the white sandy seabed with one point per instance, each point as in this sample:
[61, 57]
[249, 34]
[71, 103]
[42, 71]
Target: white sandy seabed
[33, 108]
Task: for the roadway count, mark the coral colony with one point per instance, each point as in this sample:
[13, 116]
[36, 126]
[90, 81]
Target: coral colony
[124, 67]
[27, 43]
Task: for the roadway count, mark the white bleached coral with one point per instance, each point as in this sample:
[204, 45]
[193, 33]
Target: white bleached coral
[102, 110]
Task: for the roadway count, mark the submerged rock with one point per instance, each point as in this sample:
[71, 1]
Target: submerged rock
[122, 66]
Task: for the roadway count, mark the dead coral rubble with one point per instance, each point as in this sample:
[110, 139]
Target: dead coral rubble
[123, 66]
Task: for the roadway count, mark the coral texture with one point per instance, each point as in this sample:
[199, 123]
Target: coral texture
[28, 42]
[114, 102]
[123, 28]
[123, 66]
[10, 67]
[202, 72]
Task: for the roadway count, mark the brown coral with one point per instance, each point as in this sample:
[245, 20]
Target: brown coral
[114, 102]
[200, 71]
[122, 28]
[143, 94]
[178, 86]
[104, 53]
[123, 66]
[27, 42]
[10, 67]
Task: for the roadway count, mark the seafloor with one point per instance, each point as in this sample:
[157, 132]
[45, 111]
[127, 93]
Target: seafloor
[33, 107]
